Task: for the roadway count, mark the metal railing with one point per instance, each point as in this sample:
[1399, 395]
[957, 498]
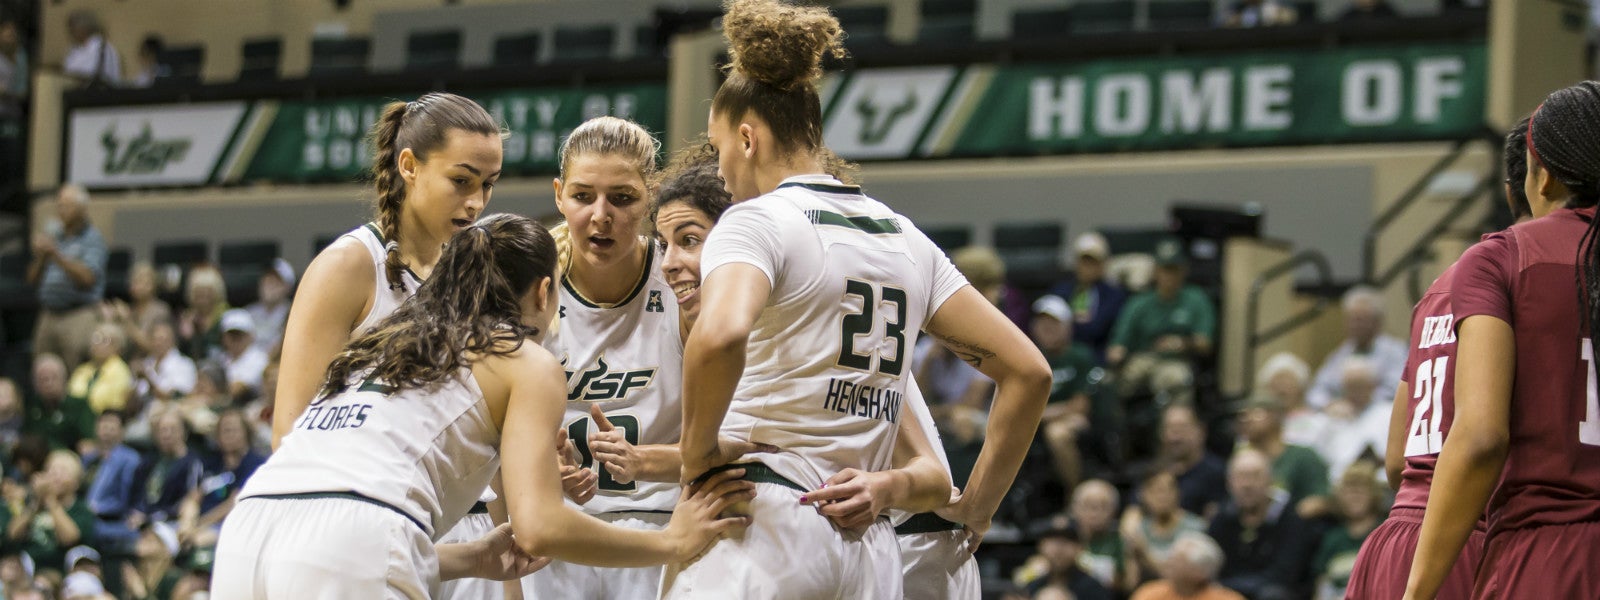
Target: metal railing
[1255, 336]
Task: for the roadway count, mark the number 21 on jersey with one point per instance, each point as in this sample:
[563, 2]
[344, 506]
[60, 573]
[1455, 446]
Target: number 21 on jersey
[1425, 436]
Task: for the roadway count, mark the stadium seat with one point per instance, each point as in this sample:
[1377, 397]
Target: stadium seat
[646, 44]
[950, 237]
[864, 26]
[119, 264]
[1168, 15]
[583, 43]
[517, 50]
[179, 256]
[246, 253]
[1102, 16]
[183, 65]
[1028, 235]
[1041, 24]
[259, 59]
[322, 241]
[1306, 11]
[433, 49]
[339, 57]
[946, 21]
[242, 264]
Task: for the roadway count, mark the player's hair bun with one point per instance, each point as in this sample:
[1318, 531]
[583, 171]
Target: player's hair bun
[779, 44]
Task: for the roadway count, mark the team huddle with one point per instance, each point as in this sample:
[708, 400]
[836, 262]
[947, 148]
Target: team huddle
[478, 407]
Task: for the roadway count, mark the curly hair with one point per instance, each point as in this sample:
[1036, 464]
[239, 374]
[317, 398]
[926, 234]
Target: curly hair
[470, 305]
[777, 51]
[421, 125]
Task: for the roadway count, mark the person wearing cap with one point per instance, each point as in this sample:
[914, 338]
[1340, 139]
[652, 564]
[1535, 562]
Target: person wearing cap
[1073, 373]
[241, 358]
[1162, 330]
[68, 268]
[1057, 567]
[1095, 299]
[1268, 547]
[53, 518]
[271, 310]
[1296, 470]
[104, 381]
[82, 586]
[152, 573]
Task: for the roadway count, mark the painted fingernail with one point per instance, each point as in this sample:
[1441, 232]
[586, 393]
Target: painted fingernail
[802, 499]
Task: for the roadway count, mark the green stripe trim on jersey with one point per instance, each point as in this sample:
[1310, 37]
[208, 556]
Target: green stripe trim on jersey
[826, 188]
[864, 224]
[373, 227]
[644, 278]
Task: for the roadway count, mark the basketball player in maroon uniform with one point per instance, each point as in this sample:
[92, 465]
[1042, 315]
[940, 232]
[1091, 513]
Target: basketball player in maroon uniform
[1423, 406]
[1526, 413]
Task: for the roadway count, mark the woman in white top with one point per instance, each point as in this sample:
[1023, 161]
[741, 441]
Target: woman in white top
[412, 424]
[825, 290]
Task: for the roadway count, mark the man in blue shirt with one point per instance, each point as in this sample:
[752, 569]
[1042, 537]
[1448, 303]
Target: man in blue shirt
[111, 467]
[1094, 299]
[69, 263]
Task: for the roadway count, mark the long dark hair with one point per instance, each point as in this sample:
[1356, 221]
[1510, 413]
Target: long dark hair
[1564, 139]
[422, 126]
[777, 50]
[472, 303]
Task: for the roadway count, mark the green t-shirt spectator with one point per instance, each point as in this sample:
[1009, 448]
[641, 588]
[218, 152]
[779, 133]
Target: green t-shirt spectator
[40, 540]
[62, 426]
[1072, 372]
[1147, 317]
[1103, 558]
[1336, 559]
[1300, 472]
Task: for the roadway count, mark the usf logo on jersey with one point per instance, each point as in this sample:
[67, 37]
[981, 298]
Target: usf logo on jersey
[600, 384]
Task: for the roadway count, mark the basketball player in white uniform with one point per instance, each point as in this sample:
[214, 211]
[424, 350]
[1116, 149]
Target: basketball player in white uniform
[349, 505]
[935, 559]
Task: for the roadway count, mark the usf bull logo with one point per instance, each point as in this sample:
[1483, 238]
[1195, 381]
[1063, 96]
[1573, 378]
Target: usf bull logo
[141, 155]
[600, 384]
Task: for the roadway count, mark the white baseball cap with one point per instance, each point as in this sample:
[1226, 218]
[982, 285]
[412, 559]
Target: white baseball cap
[1092, 245]
[1054, 306]
[238, 319]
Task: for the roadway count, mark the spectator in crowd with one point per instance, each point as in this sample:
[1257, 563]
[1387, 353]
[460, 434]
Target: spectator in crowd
[271, 311]
[258, 412]
[1361, 10]
[1189, 572]
[53, 519]
[105, 382]
[225, 474]
[1268, 547]
[16, 569]
[1260, 13]
[1074, 374]
[1150, 528]
[82, 586]
[147, 67]
[1358, 427]
[84, 559]
[28, 458]
[166, 476]
[165, 373]
[209, 391]
[1360, 506]
[1094, 510]
[200, 325]
[68, 267]
[1285, 377]
[1297, 470]
[986, 271]
[1201, 475]
[112, 475]
[240, 358]
[151, 575]
[1364, 337]
[1057, 571]
[145, 310]
[1162, 331]
[61, 420]
[91, 60]
[1095, 299]
[11, 417]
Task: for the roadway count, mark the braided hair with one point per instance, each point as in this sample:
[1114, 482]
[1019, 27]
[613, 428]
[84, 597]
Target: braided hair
[1516, 159]
[421, 125]
[1564, 140]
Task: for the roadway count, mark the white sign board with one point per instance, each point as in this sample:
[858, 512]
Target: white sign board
[149, 145]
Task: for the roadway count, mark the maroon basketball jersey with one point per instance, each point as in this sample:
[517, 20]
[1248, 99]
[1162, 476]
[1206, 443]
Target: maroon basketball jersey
[1526, 277]
[1430, 376]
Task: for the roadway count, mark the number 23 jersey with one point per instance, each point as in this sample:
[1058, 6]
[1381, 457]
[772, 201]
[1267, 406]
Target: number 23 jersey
[828, 359]
[628, 358]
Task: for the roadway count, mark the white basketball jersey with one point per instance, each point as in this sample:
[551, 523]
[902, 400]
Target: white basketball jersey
[628, 358]
[830, 355]
[385, 299]
[428, 452]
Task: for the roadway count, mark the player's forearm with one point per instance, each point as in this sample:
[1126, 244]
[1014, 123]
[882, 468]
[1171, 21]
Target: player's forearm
[456, 560]
[659, 462]
[1469, 466]
[712, 365]
[919, 486]
[568, 535]
[1013, 421]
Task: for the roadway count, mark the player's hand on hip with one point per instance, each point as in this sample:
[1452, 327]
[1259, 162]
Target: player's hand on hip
[976, 525]
[500, 559]
[701, 515]
[852, 499]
